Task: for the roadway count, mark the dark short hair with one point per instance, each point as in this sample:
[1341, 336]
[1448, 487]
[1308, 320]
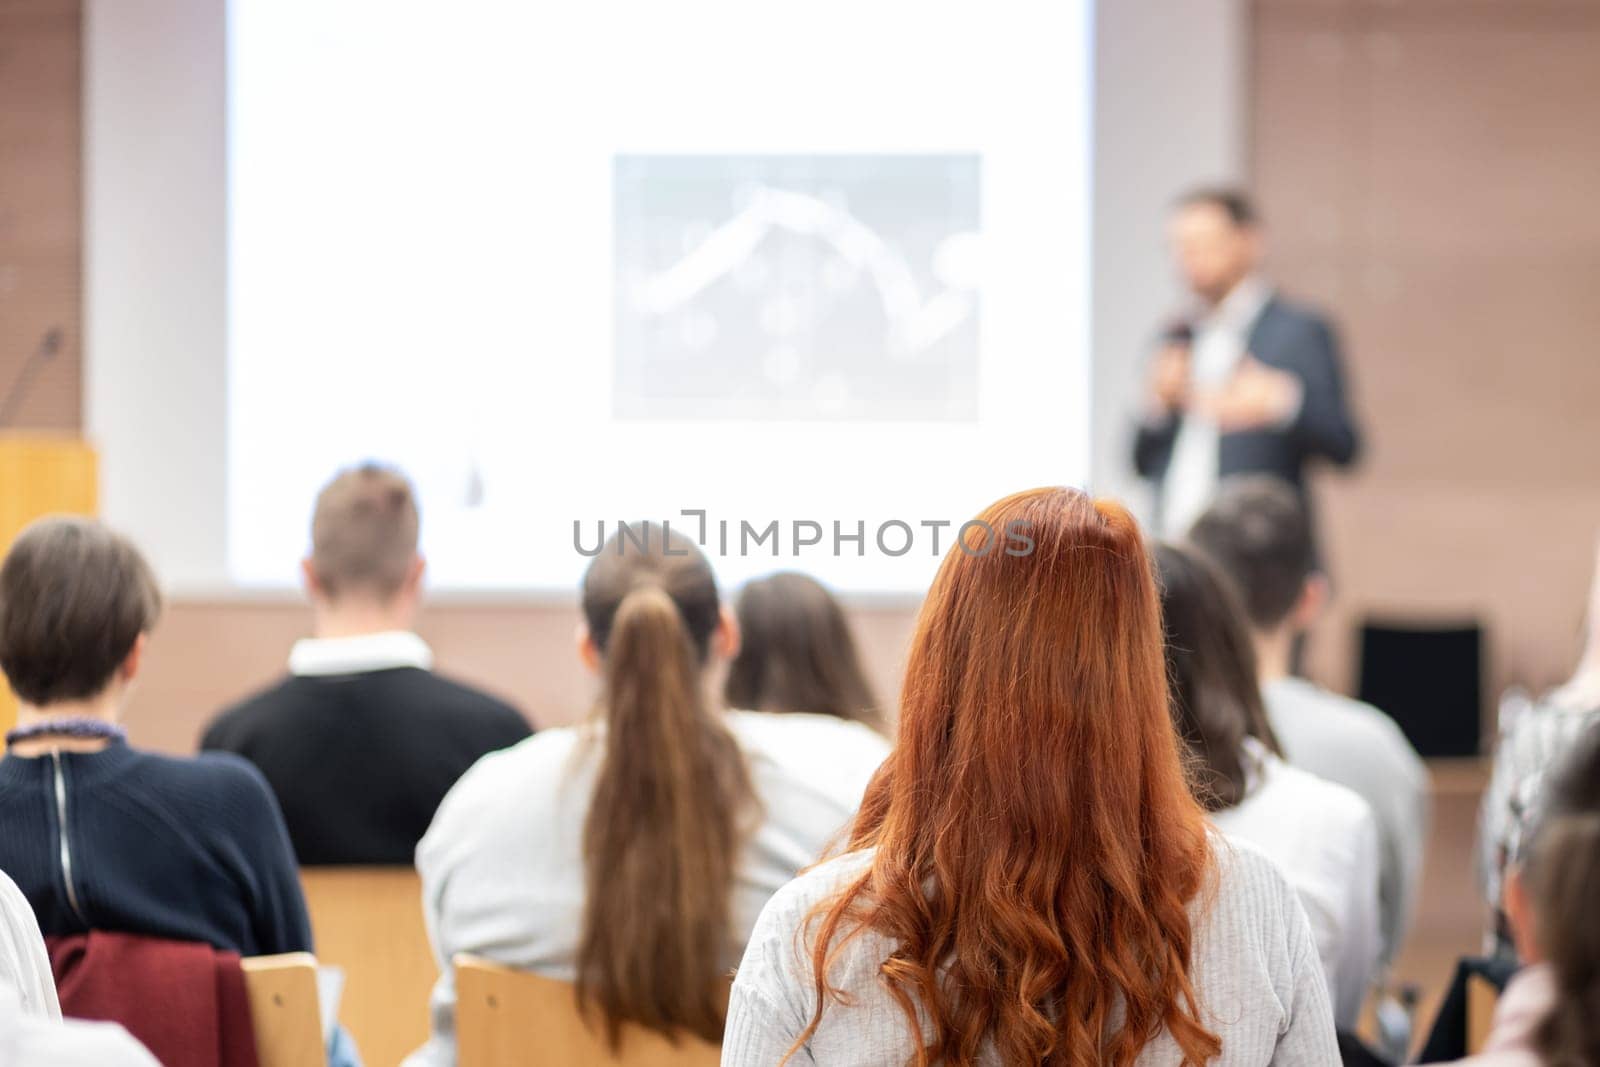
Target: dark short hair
[74, 597]
[1214, 691]
[364, 532]
[1233, 202]
[1258, 532]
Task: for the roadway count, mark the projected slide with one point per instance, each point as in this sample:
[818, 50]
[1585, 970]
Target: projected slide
[814, 300]
[797, 287]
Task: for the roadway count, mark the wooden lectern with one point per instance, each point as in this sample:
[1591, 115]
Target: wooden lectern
[41, 474]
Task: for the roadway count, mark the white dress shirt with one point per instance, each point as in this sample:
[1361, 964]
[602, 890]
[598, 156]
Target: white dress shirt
[1359, 747]
[1222, 338]
[319, 656]
[1324, 839]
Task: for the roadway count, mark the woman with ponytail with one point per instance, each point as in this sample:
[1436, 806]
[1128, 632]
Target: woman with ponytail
[1549, 1014]
[630, 854]
[1030, 880]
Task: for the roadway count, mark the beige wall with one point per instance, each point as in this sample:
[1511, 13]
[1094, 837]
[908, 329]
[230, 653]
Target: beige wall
[206, 654]
[41, 222]
[1429, 170]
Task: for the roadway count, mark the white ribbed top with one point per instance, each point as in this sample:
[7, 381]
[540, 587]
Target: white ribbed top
[1255, 969]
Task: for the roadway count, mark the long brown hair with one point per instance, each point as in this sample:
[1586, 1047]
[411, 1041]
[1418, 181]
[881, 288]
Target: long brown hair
[1036, 843]
[673, 796]
[1563, 874]
[796, 652]
[1211, 670]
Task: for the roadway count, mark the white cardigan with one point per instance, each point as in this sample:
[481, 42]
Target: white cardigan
[1253, 965]
[502, 865]
[24, 963]
[31, 1028]
[1324, 838]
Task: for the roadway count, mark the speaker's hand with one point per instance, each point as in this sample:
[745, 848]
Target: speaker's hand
[1255, 398]
[1168, 386]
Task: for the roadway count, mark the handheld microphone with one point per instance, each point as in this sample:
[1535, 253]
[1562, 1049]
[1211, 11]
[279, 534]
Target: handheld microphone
[49, 345]
[1180, 333]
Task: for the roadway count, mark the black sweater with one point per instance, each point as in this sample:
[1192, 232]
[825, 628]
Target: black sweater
[186, 849]
[361, 761]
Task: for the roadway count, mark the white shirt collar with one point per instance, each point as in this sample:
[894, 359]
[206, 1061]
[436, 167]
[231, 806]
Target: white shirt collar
[1240, 308]
[315, 656]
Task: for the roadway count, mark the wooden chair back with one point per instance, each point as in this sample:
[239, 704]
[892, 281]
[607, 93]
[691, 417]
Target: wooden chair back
[1482, 997]
[368, 922]
[285, 1010]
[505, 1017]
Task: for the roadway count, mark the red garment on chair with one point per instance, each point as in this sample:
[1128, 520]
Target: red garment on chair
[185, 1001]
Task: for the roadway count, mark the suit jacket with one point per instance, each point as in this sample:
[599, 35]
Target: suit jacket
[1300, 341]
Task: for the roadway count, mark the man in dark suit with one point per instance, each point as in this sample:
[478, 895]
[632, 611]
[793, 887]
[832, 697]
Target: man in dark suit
[1247, 384]
[362, 740]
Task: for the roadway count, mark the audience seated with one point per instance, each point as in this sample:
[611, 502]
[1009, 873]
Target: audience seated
[1547, 1015]
[1534, 736]
[1258, 531]
[1321, 835]
[632, 854]
[796, 653]
[99, 835]
[362, 740]
[1030, 880]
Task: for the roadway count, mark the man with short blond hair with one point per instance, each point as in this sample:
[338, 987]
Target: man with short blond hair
[362, 740]
[364, 533]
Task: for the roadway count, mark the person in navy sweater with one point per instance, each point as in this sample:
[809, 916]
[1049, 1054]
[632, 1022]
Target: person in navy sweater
[99, 835]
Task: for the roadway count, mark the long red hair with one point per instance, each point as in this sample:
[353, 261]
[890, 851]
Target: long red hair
[1037, 845]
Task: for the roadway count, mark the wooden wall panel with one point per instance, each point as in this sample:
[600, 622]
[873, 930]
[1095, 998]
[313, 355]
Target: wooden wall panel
[1428, 170]
[206, 654]
[41, 204]
[1429, 173]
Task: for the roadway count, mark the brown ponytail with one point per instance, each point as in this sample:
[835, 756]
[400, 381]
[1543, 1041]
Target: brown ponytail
[1564, 872]
[670, 805]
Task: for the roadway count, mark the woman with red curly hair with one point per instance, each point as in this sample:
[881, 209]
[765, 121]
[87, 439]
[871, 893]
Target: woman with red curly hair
[1029, 880]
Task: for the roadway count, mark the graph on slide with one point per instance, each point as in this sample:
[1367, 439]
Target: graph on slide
[797, 287]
